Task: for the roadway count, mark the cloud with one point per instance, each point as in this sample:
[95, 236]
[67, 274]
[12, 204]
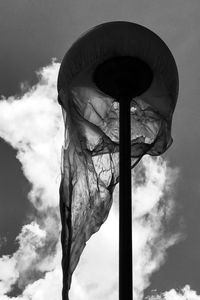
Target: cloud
[32, 124]
[26, 267]
[184, 294]
[8, 273]
[153, 207]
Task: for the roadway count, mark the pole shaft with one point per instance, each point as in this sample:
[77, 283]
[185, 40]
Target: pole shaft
[125, 205]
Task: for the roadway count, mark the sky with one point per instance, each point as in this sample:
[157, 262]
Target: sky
[34, 36]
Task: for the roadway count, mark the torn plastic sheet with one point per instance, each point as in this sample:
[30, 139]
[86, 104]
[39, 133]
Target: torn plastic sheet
[90, 168]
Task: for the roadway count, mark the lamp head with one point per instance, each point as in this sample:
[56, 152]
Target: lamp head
[118, 59]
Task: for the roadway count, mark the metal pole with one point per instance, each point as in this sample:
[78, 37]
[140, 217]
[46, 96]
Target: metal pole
[125, 207]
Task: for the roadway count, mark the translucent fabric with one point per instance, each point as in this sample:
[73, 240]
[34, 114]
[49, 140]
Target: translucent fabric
[90, 168]
[90, 165]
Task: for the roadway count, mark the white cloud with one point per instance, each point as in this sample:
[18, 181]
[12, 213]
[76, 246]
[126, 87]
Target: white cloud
[184, 294]
[152, 210]
[8, 273]
[32, 124]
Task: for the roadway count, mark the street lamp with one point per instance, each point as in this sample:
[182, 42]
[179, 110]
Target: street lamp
[118, 87]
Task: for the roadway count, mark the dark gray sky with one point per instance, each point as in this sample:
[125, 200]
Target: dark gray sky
[33, 32]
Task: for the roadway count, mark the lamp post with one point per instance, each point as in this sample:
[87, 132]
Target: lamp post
[124, 78]
[113, 62]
